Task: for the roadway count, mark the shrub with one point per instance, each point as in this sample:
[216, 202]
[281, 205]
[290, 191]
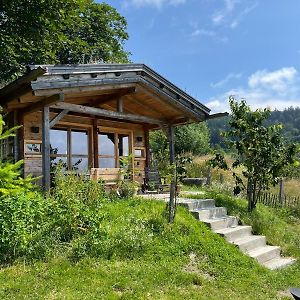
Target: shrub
[75, 205]
[22, 217]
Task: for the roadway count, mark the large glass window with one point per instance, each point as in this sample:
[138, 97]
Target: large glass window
[111, 147]
[79, 150]
[69, 148]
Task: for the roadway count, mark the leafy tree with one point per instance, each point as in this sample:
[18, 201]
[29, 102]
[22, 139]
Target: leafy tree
[11, 181]
[192, 138]
[55, 31]
[261, 151]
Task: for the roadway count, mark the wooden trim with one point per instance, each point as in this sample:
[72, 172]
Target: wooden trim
[82, 89]
[147, 146]
[107, 113]
[46, 148]
[43, 103]
[58, 117]
[95, 144]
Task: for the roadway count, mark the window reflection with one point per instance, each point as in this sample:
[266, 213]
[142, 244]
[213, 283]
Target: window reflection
[58, 141]
[79, 142]
[107, 162]
[106, 143]
[69, 156]
[123, 144]
[80, 163]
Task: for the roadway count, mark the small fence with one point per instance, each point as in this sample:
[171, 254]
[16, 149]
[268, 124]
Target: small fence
[274, 200]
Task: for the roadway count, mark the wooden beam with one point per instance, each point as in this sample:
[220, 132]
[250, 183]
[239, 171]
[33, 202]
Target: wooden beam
[46, 148]
[147, 146]
[20, 86]
[95, 143]
[106, 113]
[58, 117]
[120, 105]
[83, 89]
[171, 138]
[44, 103]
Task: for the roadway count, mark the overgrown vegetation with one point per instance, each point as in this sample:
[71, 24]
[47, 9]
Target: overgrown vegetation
[260, 150]
[127, 250]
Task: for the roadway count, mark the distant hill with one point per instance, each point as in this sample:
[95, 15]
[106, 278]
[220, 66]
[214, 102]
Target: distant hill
[290, 118]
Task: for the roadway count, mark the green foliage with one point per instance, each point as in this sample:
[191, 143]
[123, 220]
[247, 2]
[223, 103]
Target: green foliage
[260, 150]
[75, 205]
[197, 169]
[289, 117]
[136, 254]
[11, 181]
[192, 138]
[22, 218]
[54, 31]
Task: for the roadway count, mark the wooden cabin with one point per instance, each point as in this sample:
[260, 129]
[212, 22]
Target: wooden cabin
[91, 116]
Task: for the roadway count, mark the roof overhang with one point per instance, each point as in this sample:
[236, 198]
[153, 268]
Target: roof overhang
[140, 85]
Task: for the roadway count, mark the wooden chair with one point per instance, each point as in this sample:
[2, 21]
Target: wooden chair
[110, 176]
[152, 182]
[296, 293]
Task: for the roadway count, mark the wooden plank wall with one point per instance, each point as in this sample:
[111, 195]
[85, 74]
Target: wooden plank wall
[33, 161]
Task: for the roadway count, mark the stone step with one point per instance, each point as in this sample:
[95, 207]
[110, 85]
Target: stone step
[235, 233]
[251, 242]
[221, 223]
[279, 263]
[215, 212]
[265, 253]
[196, 204]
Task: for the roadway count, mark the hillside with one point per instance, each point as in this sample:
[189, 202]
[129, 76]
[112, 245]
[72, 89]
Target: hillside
[143, 257]
[290, 118]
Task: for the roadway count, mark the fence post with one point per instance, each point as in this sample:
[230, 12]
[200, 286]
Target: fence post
[208, 180]
[281, 191]
[221, 178]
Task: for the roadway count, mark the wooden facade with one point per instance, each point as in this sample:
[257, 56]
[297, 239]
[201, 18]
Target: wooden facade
[92, 116]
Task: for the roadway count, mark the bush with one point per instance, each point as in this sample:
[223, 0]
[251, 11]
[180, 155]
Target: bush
[75, 205]
[22, 218]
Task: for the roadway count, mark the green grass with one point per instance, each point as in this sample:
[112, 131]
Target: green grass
[146, 258]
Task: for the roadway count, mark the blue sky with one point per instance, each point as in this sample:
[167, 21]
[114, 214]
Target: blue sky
[216, 48]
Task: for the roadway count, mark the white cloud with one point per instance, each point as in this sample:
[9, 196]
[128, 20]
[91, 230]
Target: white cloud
[278, 80]
[277, 89]
[154, 3]
[203, 32]
[242, 14]
[230, 14]
[224, 81]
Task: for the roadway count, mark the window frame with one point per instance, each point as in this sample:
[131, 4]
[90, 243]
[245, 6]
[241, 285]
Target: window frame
[69, 129]
[116, 155]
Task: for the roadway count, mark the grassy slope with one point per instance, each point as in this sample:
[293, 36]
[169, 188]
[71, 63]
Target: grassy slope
[151, 260]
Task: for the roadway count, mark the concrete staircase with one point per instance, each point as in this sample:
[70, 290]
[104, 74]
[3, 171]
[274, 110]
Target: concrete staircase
[228, 226]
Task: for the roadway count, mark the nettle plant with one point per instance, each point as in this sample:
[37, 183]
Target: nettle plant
[262, 154]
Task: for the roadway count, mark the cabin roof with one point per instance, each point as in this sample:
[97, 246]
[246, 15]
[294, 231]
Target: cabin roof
[143, 91]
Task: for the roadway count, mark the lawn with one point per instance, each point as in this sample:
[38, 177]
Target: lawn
[146, 258]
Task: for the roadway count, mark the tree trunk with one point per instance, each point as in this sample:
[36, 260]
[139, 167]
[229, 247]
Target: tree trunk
[250, 195]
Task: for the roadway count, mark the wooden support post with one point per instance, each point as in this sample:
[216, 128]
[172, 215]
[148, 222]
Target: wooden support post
[95, 143]
[46, 149]
[171, 138]
[120, 105]
[58, 117]
[16, 138]
[147, 146]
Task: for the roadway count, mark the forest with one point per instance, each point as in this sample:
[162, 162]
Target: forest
[289, 118]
